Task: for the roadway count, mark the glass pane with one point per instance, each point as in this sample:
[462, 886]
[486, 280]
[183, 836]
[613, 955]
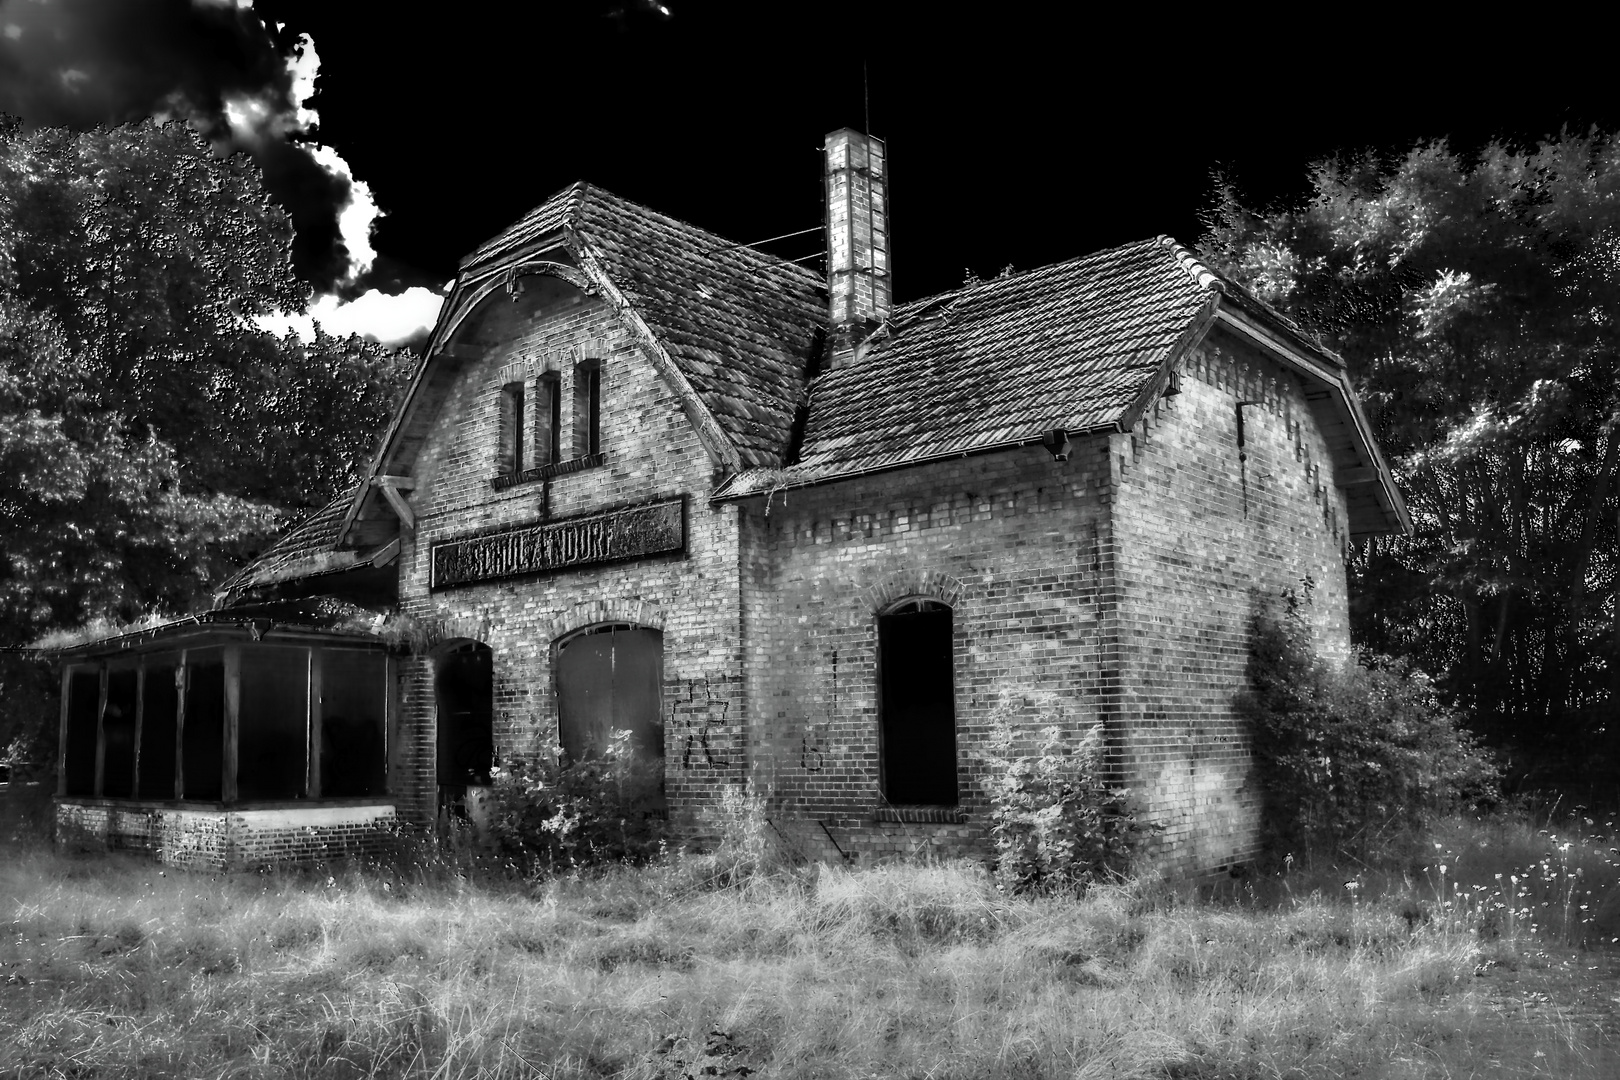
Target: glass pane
[272, 729]
[118, 734]
[84, 699]
[160, 699]
[204, 741]
[354, 716]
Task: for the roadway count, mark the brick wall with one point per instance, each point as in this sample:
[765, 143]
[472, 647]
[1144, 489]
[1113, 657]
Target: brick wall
[1117, 587]
[1121, 584]
[1014, 542]
[1205, 543]
[650, 451]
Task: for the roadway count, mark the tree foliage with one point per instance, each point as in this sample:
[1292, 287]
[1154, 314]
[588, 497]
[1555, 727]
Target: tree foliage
[151, 436]
[1475, 298]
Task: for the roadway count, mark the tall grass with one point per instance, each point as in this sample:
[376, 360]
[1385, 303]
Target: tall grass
[114, 967]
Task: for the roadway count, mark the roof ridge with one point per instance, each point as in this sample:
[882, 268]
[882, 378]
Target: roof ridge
[1203, 275]
[910, 307]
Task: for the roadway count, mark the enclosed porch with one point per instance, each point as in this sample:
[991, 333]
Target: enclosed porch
[238, 738]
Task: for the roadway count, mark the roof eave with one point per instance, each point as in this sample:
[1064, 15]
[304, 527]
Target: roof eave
[722, 495]
[1326, 370]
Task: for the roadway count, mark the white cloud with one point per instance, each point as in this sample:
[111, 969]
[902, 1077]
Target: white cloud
[388, 319]
[253, 119]
[304, 65]
[358, 214]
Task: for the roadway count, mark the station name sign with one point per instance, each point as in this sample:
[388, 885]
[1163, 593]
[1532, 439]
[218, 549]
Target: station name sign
[612, 536]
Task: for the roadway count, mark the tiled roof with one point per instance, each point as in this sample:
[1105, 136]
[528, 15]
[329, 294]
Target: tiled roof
[1071, 346]
[304, 550]
[741, 326]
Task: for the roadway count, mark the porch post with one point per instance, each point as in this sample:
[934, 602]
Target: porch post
[180, 728]
[140, 716]
[101, 732]
[233, 704]
[316, 736]
[62, 732]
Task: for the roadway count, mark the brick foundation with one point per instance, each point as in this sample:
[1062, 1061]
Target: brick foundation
[216, 839]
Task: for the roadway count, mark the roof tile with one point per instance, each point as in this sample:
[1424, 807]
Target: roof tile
[1070, 345]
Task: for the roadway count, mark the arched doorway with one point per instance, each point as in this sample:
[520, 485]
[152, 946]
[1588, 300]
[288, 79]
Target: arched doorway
[610, 677]
[464, 690]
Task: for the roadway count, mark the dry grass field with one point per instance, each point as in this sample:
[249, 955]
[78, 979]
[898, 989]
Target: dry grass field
[707, 966]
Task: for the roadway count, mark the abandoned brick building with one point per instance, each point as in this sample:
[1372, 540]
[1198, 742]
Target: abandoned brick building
[782, 530]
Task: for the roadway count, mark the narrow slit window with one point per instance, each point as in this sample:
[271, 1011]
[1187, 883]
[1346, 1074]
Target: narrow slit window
[548, 419]
[917, 704]
[588, 409]
[509, 457]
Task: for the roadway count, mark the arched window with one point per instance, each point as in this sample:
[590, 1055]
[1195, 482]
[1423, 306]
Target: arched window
[610, 677]
[917, 704]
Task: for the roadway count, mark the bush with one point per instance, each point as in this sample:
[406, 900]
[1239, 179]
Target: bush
[547, 813]
[1055, 823]
[1354, 759]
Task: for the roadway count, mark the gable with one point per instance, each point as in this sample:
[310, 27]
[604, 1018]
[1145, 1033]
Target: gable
[731, 330]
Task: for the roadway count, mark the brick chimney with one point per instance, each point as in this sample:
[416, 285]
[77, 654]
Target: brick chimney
[857, 240]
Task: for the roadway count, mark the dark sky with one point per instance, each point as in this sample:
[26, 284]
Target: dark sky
[1016, 135]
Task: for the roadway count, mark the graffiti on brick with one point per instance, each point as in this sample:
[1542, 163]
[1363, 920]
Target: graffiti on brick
[699, 722]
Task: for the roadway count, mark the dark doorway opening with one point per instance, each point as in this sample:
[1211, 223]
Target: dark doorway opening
[611, 678]
[917, 704]
[464, 685]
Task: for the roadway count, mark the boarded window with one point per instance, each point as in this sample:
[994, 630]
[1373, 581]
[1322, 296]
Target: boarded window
[917, 705]
[354, 715]
[588, 408]
[608, 679]
[548, 420]
[159, 699]
[84, 702]
[118, 735]
[464, 686]
[204, 738]
[272, 727]
[509, 455]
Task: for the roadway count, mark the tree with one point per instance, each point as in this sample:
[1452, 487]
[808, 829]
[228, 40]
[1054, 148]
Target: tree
[1475, 299]
[150, 435]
